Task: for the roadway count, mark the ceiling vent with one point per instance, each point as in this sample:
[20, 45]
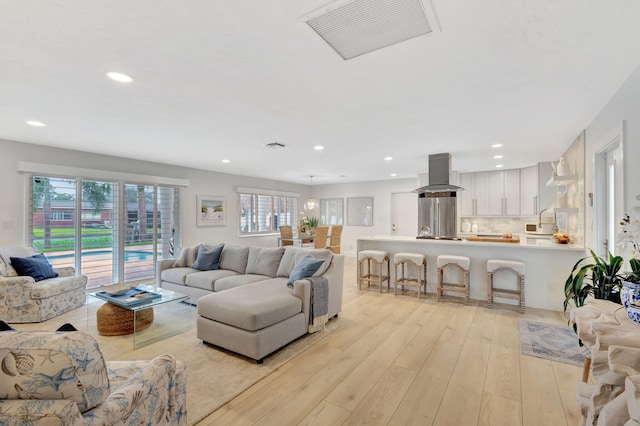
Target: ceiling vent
[357, 27]
[275, 145]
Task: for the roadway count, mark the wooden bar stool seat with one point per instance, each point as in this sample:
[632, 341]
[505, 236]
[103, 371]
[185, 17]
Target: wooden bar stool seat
[517, 268]
[404, 261]
[461, 262]
[368, 259]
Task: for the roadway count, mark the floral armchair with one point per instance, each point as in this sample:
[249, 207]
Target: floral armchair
[23, 299]
[61, 378]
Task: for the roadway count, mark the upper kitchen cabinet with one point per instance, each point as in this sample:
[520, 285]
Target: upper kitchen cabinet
[529, 185]
[504, 193]
[474, 200]
[546, 194]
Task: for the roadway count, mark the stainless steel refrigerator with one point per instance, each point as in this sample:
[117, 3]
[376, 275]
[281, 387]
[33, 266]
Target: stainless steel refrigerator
[437, 210]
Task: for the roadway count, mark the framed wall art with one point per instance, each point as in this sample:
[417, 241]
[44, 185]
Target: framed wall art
[211, 210]
[360, 211]
[331, 211]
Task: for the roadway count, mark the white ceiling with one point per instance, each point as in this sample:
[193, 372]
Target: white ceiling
[219, 79]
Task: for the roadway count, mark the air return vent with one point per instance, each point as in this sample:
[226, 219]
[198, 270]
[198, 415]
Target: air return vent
[362, 26]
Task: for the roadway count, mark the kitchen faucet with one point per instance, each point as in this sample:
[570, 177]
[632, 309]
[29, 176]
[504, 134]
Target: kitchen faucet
[540, 217]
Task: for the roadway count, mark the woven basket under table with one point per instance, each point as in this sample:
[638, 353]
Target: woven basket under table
[116, 321]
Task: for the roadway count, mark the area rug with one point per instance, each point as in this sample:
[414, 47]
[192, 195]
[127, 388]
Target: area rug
[550, 341]
[214, 376]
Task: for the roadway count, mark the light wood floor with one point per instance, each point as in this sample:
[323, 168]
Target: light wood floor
[397, 360]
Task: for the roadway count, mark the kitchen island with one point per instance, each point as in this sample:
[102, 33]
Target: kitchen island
[548, 264]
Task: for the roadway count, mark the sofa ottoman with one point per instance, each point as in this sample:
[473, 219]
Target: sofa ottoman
[254, 319]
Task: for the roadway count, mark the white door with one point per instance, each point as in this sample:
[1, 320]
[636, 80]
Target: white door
[609, 195]
[614, 197]
[404, 213]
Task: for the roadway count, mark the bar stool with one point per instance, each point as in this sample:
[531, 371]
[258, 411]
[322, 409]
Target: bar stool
[495, 265]
[461, 262]
[373, 258]
[418, 260]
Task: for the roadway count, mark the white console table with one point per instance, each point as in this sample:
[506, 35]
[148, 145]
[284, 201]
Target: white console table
[613, 395]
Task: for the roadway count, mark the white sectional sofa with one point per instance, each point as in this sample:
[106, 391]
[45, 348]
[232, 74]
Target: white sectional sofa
[246, 305]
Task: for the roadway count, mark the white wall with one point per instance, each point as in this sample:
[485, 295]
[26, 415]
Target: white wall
[624, 105]
[12, 195]
[381, 191]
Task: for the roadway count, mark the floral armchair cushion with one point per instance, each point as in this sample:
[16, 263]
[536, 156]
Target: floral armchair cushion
[56, 365]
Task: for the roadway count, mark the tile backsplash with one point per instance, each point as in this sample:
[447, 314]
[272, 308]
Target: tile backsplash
[499, 225]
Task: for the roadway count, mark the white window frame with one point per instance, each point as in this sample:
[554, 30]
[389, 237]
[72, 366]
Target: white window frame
[291, 211]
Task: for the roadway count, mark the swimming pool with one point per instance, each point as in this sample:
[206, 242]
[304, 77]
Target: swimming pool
[129, 256]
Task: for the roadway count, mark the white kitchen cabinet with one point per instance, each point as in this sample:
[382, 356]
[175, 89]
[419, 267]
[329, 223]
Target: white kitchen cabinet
[474, 200]
[512, 192]
[504, 193]
[529, 191]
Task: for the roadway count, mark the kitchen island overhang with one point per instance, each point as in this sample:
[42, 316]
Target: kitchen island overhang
[547, 265]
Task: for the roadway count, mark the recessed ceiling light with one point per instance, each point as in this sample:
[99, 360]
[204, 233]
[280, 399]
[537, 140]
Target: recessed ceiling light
[497, 157]
[388, 158]
[318, 147]
[499, 166]
[226, 161]
[394, 174]
[496, 145]
[35, 123]
[119, 77]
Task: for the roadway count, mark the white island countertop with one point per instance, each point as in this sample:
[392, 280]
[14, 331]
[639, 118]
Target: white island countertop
[548, 264]
[525, 242]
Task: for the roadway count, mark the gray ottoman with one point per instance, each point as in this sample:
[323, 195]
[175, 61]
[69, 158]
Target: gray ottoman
[254, 319]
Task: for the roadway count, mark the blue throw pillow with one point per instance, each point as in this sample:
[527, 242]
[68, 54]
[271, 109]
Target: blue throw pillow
[36, 267]
[304, 268]
[208, 257]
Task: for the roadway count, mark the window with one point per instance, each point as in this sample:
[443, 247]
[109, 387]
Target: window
[265, 213]
[121, 231]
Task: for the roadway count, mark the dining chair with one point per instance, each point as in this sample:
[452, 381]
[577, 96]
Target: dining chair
[334, 241]
[286, 236]
[320, 240]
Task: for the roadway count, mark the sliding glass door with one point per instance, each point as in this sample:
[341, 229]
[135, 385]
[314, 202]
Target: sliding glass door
[108, 230]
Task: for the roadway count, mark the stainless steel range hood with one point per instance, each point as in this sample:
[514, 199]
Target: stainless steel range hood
[439, 168]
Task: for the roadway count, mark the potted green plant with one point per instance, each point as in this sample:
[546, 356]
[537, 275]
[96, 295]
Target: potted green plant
[313, 222]
[596, 276]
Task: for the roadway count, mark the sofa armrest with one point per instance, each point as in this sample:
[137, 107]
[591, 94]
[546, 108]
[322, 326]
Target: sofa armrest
[161, 266]
[302, 290]
[14, 412]
[15, 291]
[23, 281]
[148, 394]
[67, 271]
[335, 276]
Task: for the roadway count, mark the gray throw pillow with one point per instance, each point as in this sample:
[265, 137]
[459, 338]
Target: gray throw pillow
[208, 257]
[305, 267]
[264, 260]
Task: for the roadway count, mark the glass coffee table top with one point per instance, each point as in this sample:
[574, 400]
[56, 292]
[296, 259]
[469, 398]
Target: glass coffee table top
[147, 322]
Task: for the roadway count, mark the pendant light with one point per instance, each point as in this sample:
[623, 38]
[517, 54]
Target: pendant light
[311, 203]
